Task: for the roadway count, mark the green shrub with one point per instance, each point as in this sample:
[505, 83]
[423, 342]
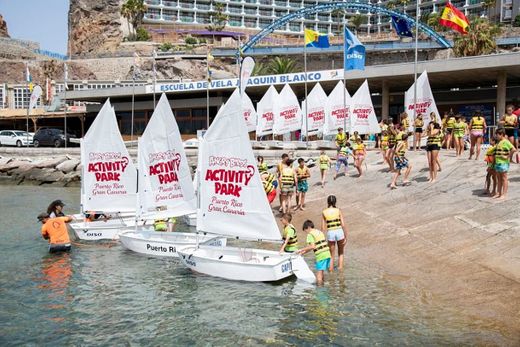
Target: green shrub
[141, 34]
[165, 47]
[190, 40]
[516, 22]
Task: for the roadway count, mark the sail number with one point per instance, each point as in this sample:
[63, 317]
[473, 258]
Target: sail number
[286, 267]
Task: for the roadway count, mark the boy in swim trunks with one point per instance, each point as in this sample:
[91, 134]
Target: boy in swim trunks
[317, 243]
[302, 174]
[342, 158]
[491, 173]
[503, 153]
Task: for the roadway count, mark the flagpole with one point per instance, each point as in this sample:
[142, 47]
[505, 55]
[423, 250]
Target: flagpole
[65, 73]
[344, 79]
[208, 81]
[154, 77]
[306, 109]
[415, 71]
[133, 104]
[27, 79]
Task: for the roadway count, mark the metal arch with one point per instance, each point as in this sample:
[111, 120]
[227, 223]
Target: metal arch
[341, 5]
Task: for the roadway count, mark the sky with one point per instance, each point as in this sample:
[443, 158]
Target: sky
[43, 21]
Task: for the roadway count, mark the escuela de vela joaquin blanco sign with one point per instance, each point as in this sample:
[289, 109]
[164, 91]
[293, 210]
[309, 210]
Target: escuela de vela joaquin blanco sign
[314, 76]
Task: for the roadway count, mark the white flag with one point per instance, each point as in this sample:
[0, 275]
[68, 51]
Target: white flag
[35, 95]
[246, 69]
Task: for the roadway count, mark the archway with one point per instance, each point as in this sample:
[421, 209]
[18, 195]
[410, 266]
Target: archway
[342, 5]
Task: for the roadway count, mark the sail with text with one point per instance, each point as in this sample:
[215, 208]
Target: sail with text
[232, 197]
[337, 110]
[265, 110]
[316, 102]
[165, 184]
[249, 112]
[289, 114]
[363, 117]
[109, 181]
[425, 104]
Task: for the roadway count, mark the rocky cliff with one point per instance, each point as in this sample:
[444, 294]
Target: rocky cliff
[95, 26]
[3, 27]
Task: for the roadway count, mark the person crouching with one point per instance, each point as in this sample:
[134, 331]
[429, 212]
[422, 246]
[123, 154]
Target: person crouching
[55, 230]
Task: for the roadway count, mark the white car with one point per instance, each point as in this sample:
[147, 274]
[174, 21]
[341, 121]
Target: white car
[16, 138]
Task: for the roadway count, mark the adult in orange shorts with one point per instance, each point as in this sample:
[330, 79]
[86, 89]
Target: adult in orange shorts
[55, 230]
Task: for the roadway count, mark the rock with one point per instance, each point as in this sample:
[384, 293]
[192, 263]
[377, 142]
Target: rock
[5, 161]
[95, 26]
[44, 175]
[68, 165]
[21, 171]
[78, 168]
[13, 164]
[3, 27]
[71, 179]
[50, 163]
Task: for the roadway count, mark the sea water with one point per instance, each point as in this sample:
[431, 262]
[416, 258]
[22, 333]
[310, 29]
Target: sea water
[102, 294]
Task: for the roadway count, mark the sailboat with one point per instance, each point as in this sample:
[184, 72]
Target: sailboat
[232, 203]
[165, 188]
[109, 179]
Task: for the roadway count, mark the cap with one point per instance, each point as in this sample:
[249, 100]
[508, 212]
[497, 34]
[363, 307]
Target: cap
[42, 216]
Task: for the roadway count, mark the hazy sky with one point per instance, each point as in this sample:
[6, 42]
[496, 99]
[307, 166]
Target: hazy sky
[43, 21]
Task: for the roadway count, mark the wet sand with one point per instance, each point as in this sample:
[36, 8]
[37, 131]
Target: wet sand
[460, 249]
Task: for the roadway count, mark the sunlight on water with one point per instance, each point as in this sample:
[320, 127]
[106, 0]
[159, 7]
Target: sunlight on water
[103, 294]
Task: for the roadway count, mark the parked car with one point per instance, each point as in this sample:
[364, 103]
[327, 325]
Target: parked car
[51, 137]
[16, 138]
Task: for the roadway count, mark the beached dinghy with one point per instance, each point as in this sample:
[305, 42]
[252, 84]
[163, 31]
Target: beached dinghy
[109, 179]
[165, 188]
[232, 202]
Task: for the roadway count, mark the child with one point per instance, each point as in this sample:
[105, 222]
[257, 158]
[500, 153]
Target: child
[491, 174]
[269, 182]
[503, 152]
[384, 145]
[261, 165]
[342, 158]
[290, 239]
[302, 173]
[316, 242]
[324, 166]
[287, 182]
[401, 162]
[359, 155]
[459, 130]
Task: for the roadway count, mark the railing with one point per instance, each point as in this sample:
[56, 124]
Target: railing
[51, 54]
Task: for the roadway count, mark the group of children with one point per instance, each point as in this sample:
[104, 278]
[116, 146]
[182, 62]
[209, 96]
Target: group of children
[498, 158]
[323, 245]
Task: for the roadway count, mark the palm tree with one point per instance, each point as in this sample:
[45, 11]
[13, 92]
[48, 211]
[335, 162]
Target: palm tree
[338, 14]
[133, 11]
[480, 39]
[260, 69]
[218, 19]
[281, 65]
[357, 21]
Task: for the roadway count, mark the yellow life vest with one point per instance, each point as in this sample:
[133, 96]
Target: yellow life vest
[332, 218]
[270, 178]
[384, 139]
[477, 123]
[262, 167]
[419, 123]
[500, 151]
[301, 173]
[458, 129]
[509, 121]
[287, 176]
[293, 240]
[401, 152]
[162, 224]
[324, 160]
[391, 139]
[450, 123]
[435, 139]
[268, 186]
[321, 247]
[343, 152]
[359, 148]
[341, 138]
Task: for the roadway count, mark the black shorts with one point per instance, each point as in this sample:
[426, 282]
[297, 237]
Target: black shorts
[449, 131]
[59, 248]
[510, 132]
[391, 145]
[434, 147]
[418, 130]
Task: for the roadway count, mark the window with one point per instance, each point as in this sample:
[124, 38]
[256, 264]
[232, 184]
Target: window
[22, 96]
[2, 97]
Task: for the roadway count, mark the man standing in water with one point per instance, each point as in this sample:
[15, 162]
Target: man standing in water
[55, 230]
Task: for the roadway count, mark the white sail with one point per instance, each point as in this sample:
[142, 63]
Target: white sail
[249, 112]
[109, 175]
[425, 102]
[337, 110]
[363, 118]
[265, 110]
[314, 119]
[289, 114]
[165, 184]
[232, 198]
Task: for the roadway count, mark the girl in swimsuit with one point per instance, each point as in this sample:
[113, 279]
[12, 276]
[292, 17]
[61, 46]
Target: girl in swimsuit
[477, 128]
[359, 155]
[419, 123]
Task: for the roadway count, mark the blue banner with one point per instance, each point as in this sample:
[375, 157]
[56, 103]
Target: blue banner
[354, 55]
[402, 27]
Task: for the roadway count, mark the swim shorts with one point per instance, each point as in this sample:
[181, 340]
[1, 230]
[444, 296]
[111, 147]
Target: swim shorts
[501, 167]
[477, 133]
[63, 247]
[275, 184]
[287, 189]
[418, 130]
[341, 161]
[335, 235]
[510, 132]
[400, 163]
[449, 131]
[324, 166]
[434, 147]
[303, 186]
[323, 265]
[271, 196]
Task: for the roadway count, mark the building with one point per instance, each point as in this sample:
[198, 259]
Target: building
[253, 15]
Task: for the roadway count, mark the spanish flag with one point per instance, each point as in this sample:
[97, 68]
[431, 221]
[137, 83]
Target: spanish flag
[315, 39]
[455, 19]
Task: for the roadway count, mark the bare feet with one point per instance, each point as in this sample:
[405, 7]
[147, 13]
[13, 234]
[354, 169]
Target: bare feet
[393, 186]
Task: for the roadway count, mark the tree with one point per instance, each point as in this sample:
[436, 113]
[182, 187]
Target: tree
[433, 21]
[338, 14]
[489, 5]
[391, 5]
[133, 11]
[281, 65]
[260, 69]
[357, 21]
[218, 19]
[480, 39]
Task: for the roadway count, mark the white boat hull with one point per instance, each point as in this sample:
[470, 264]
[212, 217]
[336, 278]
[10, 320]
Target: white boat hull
[191, 219]
[164, 244]
[238, 264]
[101, 230]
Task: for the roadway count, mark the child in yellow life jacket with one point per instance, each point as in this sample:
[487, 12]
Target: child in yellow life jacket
[324, 162]
[262, 166]
[288, 181]
[359, 155]
[290, 239]
[401, 162]
[491, 173]
[317, 243]
[269, 180]
[302, 174]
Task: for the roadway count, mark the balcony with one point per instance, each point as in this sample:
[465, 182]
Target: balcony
[153, 2]
[186, 5]
[204, 7]
[169, 3]
[280, 3]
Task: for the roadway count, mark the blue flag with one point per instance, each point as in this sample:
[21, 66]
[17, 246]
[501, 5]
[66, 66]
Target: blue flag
[402, 27]
[354, 55]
